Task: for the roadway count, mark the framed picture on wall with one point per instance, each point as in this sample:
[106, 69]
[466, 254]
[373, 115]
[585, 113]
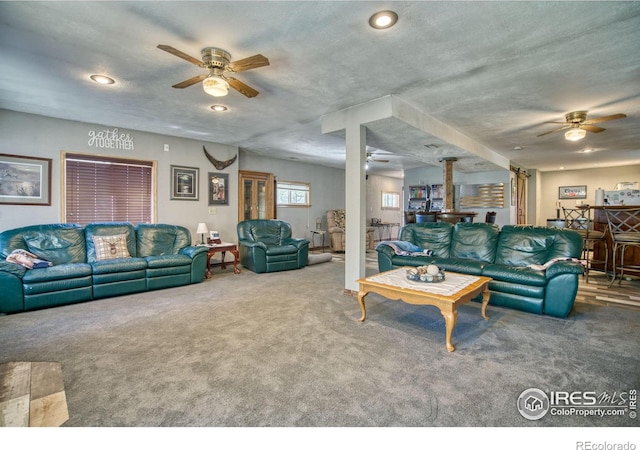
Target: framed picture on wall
[25, 180]
[184, 183]
[572, 192]
[218, 186]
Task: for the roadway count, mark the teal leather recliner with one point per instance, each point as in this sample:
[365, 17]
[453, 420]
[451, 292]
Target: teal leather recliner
[267, 246]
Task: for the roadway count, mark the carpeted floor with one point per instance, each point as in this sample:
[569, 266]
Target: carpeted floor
[286, 349]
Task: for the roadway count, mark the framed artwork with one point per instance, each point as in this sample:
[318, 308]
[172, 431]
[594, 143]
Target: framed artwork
[572, 192]
[184, 183]
[25, 180]
[218, 188]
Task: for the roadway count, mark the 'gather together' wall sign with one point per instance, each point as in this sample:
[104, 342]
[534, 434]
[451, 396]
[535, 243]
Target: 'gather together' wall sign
[111, 139]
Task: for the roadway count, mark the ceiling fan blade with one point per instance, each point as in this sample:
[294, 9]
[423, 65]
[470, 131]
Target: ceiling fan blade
[604, 119]
[380, 160]
[555, 131]
[179, 54]
[239, 86]
[592, 128]
[190, 81]
[252, 62]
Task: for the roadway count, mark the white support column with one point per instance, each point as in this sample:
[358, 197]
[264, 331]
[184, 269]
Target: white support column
[356, 198]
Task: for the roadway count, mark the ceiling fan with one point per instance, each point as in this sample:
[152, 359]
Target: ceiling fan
[577, 124]
[371, 158]
[217, 62]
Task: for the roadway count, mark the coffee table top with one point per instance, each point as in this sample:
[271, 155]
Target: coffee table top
[452, 284]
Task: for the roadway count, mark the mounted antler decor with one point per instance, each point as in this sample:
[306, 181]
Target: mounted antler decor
[219, 164]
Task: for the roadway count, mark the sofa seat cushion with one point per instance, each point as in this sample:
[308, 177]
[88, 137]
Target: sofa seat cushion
[517, 275]
[461, 265]
[156, 262]
[62, 272]
[274, 250]
[57, 278]
[118, 265]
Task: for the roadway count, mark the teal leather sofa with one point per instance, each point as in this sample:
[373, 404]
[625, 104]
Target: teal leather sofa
[96, 261]
[502, 254]
[267, 246]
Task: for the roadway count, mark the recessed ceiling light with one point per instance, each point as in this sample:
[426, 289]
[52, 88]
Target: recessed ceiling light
[102, 79]
[517, 149]
[587, 150]
[383, 19]
[219, 108]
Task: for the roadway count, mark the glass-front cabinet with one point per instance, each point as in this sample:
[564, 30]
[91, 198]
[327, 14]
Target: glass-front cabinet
[256, 195]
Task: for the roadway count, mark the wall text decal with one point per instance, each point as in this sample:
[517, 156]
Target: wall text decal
[111, 139]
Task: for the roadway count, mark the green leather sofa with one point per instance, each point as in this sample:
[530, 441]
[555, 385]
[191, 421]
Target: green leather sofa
[502, 254]
[267, 246]
[149, 256]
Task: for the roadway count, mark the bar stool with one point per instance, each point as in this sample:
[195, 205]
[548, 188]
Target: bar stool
[579, 219]
[624, 226]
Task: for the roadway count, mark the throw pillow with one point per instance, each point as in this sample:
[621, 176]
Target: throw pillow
[111, 247]
[340, 218]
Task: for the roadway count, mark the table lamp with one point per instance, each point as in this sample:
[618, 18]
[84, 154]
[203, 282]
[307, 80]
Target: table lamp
[202, 230]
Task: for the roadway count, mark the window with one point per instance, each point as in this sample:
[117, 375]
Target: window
[103, 189]
[293, 193]
[390, 200]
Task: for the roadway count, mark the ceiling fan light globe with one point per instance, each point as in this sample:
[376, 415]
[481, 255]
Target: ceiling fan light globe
[575, 134]
[215, 86]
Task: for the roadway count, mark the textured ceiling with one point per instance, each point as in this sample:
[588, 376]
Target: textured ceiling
[495, 71]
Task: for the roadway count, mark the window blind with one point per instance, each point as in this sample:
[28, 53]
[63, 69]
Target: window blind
[103, 189]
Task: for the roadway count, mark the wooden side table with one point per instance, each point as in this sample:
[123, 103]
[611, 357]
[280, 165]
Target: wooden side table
[222, 247]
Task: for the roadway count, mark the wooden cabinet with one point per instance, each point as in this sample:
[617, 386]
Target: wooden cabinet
[256, 195]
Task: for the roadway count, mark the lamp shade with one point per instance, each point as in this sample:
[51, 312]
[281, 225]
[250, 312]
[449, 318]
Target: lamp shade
[202, 228]
[575, 134]
[215, 86]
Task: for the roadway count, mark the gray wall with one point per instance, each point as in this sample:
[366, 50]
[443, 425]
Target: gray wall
[32, 135]
[605, 178]
[327, 190]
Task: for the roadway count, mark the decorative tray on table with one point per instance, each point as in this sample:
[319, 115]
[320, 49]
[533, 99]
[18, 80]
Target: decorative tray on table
[426, 274]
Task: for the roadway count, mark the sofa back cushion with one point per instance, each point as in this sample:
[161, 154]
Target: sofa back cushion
[269, 232]
[524, 245]
[476, 241]
[59, 243]
[434, 236]
[161, 239]
[566, 244]
[113, 232]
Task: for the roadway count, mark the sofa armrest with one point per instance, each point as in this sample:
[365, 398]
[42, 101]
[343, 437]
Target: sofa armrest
[252, 244]
[564, 267]
[11, 294]
[192, 251]
[296, 242]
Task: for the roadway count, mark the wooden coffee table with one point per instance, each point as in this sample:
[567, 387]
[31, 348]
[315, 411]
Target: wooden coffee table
[223, 248]
[446, 296]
